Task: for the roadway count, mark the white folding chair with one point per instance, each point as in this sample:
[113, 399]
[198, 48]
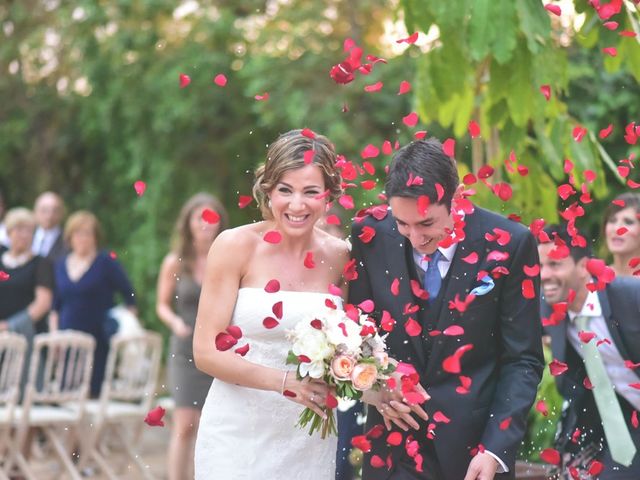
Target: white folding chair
[127, 395]
[12, 352]
[55, 396]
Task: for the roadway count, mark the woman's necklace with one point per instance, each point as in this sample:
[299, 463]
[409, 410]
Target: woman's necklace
[15, 261]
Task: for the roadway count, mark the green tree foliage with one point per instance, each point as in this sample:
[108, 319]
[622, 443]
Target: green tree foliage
[487, 63]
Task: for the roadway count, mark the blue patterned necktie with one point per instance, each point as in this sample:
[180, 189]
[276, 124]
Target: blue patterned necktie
[432, 280]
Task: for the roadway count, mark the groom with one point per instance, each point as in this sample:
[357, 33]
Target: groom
[479, 356]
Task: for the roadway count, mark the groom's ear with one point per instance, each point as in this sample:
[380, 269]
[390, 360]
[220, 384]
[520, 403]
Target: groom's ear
[458, 193]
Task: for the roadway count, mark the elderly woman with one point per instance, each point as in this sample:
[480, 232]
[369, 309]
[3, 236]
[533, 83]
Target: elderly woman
[26, 280]
[87, 280]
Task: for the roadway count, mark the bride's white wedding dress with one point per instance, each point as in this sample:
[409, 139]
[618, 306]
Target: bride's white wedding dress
[246, 433]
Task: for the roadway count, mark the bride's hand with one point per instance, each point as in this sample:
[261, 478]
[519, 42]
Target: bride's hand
[392, 406]
[308, 392]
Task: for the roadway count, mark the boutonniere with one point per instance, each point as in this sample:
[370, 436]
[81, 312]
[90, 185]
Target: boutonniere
[485, 286]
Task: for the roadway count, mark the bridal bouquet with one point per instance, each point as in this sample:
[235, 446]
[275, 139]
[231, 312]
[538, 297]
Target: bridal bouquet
[342, 348]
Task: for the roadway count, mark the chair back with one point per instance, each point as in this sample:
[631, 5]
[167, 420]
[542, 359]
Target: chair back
[132, 368]
[12, 352]
[60, 368]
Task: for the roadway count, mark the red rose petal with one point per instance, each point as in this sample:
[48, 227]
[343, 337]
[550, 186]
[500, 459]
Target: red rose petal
[452, 331]
[471, 259]
[264, 96]
[210, 216]
[308, 260]
[485, 172]
[376, 87]
[154, 417]
[451, 364]
[331, 401]
[367, 234]
[405, 87]
[272, 286]
[139, 186]
[410, 120]
[410, 39]
[289, 393]
[220, 80]
[4, 276]
[370, 151]
[528, 290]
[439, 191]
[634, 419]
[184, 80]
[504, 424]
[224, 341]
[235, 331]
[270, 323]
[395, 287]
[440, 417]
[474, 129]
[449, 147]
[346, 201]
[586, 337]
[272, 236]
[412, 327]
[308, 157]
[349, 271]
[611, 51]
[242, 351]
[546, 91]
[423, 205]
[596, 468]
[277, 310]
[550, 455]
[394, 438]
[244, 200]
[541, 407]
[555, 9]
[377, 462]
[306, 132]
[532, 271]
[557, 368]
[605, 132]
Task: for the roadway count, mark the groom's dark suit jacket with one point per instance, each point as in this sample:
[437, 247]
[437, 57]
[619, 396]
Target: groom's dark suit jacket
[506, 362]
[620, 303]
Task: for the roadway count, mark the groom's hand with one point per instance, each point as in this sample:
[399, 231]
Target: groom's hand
[394, 409]
[482, 467]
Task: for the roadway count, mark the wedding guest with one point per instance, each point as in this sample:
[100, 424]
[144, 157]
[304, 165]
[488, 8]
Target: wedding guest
[48, 240]
[179, 285]
[4, 240]
[621, 229]
[87, 280]
[595, 339]
[27, 292]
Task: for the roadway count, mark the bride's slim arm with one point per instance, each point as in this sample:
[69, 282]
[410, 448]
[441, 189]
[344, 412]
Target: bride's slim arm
[226, 262]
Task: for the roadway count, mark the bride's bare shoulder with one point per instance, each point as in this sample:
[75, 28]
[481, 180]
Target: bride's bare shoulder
[243, 238]
[333, 246]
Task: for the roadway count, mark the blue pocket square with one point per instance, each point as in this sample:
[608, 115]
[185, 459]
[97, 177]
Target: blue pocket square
[485, 287]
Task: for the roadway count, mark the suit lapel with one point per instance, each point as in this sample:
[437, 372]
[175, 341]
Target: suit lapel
[396, 261]
[612, 325]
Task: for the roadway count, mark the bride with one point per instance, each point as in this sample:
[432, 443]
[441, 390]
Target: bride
[248, 426]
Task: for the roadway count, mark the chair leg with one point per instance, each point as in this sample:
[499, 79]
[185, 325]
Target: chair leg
[132, 452]
[62, 453]
[103, 464]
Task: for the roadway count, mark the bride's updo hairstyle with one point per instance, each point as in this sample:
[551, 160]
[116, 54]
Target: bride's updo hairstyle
[287, 153]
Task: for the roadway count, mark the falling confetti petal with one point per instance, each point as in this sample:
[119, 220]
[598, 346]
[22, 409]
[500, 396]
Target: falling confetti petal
[140, 187]
[405, 87]
[272, 236]
[220, 80]
[154, 417]
[410, 120]
[185, 80]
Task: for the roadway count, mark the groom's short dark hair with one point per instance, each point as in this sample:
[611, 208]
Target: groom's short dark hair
[426, 161]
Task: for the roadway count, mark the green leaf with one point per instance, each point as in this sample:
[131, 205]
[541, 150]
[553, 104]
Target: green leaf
[534, 21]
[481, 30]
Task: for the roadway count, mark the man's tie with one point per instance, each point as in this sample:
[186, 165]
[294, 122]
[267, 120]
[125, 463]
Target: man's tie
[432, 280]
[615, 428]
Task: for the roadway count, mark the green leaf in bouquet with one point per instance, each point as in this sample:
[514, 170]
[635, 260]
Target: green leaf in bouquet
[292, 359]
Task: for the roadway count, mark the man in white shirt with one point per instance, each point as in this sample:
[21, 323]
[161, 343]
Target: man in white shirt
[48, 239]
[578, 309]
